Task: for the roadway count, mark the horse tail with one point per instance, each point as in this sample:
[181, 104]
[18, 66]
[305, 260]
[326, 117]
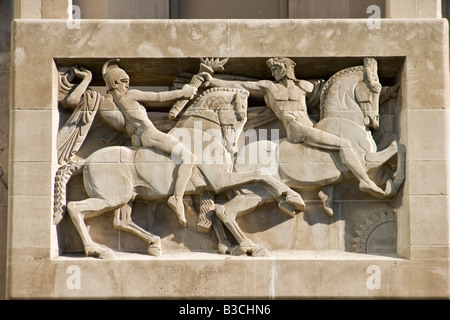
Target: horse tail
[63, 175]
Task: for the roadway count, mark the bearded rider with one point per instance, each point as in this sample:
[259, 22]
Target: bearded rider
[286, 97]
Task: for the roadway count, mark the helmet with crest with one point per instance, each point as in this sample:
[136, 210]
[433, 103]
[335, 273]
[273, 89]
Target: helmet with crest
[112, 73]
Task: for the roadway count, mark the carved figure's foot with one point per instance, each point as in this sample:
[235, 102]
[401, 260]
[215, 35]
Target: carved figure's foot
[372, 189]
[99, 252]
[177, 206]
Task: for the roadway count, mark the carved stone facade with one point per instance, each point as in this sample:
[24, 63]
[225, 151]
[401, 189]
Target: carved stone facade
[238, 176]
[248, 154]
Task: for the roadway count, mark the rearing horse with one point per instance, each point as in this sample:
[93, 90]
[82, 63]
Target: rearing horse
[349, 108]
[115, 176]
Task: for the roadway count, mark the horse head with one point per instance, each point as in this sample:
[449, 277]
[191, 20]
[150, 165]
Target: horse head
[221, 109]
[367, 93]
[353, 93]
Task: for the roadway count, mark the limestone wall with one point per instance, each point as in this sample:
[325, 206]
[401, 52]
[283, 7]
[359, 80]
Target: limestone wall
[420, 239]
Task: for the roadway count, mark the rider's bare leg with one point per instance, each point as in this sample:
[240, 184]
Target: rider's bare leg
[186, 160]
[329, 141]
[175, 201]
[180, 155]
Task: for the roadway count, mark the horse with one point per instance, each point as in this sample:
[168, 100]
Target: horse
[349, 108]
[115, 176]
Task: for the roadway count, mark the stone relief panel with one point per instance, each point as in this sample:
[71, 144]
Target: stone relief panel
[228, 162]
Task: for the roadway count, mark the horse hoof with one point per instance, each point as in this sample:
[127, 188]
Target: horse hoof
[372, 189]
[224, 247]
[258, 252]
[99, 252]
[107, 254]
[287, 208]
[227, 248]
[297, 201]
[329, 211]
[254, 250]
[154, 250]
[391, 188]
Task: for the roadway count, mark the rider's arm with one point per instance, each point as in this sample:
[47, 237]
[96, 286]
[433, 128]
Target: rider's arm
[148, 96]
[254, 87]
[111, 114]
[306, 86]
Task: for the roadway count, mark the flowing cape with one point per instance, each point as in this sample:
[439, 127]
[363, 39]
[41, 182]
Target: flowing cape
[72, 135]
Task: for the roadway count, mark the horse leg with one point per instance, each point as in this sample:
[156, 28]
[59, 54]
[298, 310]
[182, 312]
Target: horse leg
[85, 209]
[230, 211]
[326, 195]
[288, 199]
[122, 221]
[393, 185]
[224, 246]
[375, 159]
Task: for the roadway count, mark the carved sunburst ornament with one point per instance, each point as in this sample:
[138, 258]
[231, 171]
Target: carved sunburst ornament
[372, 223]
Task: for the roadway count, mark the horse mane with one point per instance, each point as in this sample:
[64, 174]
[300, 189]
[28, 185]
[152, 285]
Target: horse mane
[331, 81]
[210, 100]
[218, 99]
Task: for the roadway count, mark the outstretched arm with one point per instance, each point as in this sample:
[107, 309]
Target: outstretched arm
[147, 96]
[254, 87]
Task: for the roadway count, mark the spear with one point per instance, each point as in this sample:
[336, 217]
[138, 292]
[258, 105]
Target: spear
[206, 65]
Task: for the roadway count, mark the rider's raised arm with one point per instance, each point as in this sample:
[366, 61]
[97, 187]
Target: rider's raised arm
[148, 96]
[254, 87]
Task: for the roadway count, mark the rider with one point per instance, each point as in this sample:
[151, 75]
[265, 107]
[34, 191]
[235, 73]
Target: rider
[286, 97]
[142, 131]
